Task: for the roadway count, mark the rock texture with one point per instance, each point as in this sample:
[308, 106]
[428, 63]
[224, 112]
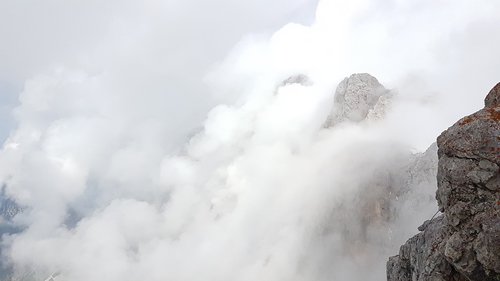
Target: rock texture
[421, 259]
[422, 172]
[358, 97]
[8, 210]
[403, 181]
[464, 242]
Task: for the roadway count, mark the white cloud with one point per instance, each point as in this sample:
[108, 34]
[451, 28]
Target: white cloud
[113, 186]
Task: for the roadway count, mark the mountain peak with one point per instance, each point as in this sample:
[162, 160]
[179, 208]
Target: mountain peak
[358, 97]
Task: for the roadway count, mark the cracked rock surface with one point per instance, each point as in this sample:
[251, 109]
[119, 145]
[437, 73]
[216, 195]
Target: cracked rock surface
[464, 242]
[358, 97]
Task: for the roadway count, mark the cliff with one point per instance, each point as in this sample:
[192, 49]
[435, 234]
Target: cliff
[464, 242]
[358, 97]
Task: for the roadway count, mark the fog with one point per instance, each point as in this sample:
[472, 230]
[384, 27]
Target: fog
[155, 140]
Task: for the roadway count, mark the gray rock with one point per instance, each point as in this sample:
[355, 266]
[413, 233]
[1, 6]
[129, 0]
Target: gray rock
[464, 243]
[380, 200]
[357, 96]
[493, 97]
[420, 258]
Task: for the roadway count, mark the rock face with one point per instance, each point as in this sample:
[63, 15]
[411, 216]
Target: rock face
[422, 171]
[368, 216]
[8, 210]
[421, 259]
[464, 242]
[357, 97]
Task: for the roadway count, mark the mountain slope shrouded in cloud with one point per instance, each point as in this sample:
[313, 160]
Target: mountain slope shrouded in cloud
[181, 140]
[340, 201]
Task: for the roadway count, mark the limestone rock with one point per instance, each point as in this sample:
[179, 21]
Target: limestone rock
[421, 259]
[469, 190]
[465, 242]
[356, 97]
[493, 97]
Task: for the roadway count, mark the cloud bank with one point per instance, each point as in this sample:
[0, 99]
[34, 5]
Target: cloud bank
[145, 146]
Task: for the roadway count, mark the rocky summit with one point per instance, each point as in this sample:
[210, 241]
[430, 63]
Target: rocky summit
[464, 242]
[358, 97]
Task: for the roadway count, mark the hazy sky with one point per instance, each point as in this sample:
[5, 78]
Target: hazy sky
[142, 42]
[148, 139]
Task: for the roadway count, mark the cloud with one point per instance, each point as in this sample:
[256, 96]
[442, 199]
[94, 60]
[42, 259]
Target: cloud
[146, 148]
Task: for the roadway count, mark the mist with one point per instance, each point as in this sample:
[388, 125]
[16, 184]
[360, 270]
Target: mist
[156, 140]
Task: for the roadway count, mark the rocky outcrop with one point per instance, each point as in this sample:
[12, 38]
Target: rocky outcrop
[464, 242]
[420, 176]
[8, 208]
[358, 97]
[420, 257]
[300, 79]
[368, 215]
